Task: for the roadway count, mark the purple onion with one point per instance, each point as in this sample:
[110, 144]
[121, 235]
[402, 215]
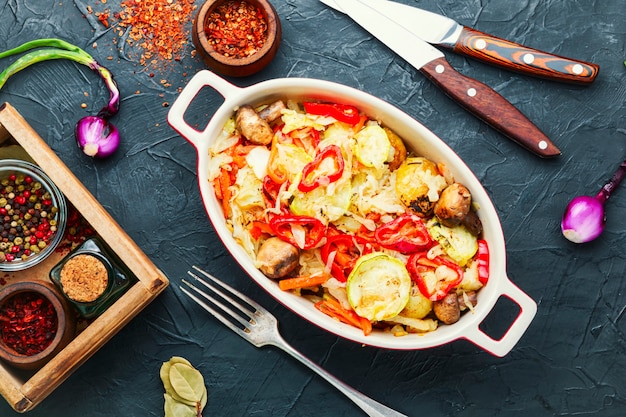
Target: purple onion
[96, 136]
[584, 217]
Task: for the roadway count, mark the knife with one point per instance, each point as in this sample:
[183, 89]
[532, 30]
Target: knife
[474, 96]
[445, 32]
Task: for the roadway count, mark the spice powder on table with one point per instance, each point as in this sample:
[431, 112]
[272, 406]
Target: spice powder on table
[236, 29]
[84, 278]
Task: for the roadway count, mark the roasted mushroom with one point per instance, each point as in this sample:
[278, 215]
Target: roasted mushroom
[252, 126]
[447, 309]
[453, 205]
[472, 223]
[277, 258]
[465, 298]
[272, 111]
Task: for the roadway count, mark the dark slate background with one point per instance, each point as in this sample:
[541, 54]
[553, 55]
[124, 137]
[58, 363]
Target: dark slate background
[570, 362]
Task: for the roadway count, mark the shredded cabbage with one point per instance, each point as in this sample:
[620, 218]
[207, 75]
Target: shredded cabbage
[367, 195]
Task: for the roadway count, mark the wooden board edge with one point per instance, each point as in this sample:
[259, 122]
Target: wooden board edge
[89, 207]
[10, 390]
[85, 345]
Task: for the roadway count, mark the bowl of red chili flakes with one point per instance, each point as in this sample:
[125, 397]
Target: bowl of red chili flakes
[35, 324]
[237, 38]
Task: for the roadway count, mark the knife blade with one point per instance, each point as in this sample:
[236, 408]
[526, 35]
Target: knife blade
[445, 32]
[474, 96]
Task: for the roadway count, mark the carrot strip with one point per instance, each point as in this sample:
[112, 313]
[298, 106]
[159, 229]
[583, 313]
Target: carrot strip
[366, 325]
[258, 228]
[224, 181]
[299, 142]
[301, 282]
[218, 188]
[359, 125]
[332, 308]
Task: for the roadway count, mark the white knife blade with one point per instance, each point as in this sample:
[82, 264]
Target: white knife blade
[442, 31]
[388, 33]
[474, 96]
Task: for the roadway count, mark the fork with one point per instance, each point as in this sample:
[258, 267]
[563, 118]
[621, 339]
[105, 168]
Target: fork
[259, 327]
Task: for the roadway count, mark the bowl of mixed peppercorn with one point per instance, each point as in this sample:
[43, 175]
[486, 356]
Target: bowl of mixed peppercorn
[237, 37]
[33, 212]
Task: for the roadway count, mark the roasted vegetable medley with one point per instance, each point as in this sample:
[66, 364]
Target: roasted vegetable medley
[332, 205]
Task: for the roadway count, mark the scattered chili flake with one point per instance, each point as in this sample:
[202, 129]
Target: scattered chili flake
[236, 29]
[158, 27]
[28, 323]
[103, 18]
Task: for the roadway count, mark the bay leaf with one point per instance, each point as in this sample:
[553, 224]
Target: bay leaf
[164, 373]
[187, 382]
[175, 408]
[183, 384]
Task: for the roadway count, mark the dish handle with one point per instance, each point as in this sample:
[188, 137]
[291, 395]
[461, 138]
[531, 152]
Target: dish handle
[176, 114]
[528, 309]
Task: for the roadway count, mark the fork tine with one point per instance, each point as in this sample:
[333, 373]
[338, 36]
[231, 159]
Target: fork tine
[217, 314]
[233, 291]
[233, 303]
[218, 303]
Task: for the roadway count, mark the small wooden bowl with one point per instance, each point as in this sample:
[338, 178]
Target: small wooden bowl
[66, 325]
[231, 66]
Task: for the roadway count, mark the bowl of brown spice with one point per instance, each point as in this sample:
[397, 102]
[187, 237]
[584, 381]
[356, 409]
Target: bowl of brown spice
[91, 278]
[237, 38]
[35, 324]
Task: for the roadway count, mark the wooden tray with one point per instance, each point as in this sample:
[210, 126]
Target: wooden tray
[25, 390]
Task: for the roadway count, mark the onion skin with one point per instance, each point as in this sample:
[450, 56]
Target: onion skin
[96, 136]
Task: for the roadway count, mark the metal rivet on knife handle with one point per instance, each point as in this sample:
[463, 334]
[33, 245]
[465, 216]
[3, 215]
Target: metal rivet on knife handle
[489, 106]
[519, 58]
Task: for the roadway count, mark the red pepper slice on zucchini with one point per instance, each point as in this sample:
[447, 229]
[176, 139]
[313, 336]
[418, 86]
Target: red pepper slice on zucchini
[347, 250]
[406, 233]
[341, 112]
[332, 152]
[482, 257]
[284, 227]
[434, 277]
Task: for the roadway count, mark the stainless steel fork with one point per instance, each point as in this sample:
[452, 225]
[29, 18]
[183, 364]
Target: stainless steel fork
[259, 327]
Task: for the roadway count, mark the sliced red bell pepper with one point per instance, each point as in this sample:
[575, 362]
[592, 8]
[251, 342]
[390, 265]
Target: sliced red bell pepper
[419, 264]
[406, 233]
[314, 229]
[308, 184]
[347, 250]
[482, 257]
[341, 112]
[270, 190]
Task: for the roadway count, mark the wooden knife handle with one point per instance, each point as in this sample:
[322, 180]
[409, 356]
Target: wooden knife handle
[519, 58]
[489, 106]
